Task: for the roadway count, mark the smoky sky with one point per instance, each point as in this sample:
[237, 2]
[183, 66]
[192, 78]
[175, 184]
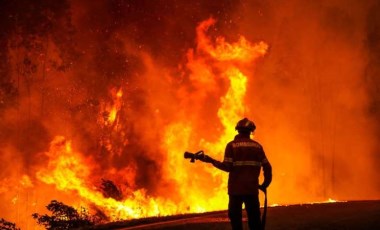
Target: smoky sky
[161, 27]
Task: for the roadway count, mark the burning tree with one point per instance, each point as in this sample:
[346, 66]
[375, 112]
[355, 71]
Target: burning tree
[109, 189]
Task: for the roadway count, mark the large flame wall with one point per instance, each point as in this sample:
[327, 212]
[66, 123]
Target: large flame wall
[118, 90]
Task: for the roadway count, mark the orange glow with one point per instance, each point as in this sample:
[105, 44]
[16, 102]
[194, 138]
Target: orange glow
[110, 110]
[121, 97]
[69, 171]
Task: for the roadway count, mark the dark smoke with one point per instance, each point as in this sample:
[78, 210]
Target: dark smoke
[320, 84]
[373, 73]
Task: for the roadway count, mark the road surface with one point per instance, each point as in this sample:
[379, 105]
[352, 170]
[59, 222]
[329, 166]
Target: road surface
[352, 215]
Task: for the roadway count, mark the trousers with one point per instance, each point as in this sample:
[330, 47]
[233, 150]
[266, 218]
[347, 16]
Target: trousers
[252, 207]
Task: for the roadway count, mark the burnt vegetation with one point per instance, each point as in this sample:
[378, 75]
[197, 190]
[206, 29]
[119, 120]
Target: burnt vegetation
[110, 190]
[65, 217]
[6, 225]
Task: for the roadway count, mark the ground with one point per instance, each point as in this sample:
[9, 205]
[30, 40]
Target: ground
[352, 215]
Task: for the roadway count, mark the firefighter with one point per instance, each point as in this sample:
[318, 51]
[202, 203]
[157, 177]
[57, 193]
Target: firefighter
[243, 159]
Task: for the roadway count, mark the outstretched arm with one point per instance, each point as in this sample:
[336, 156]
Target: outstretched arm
[226, 165]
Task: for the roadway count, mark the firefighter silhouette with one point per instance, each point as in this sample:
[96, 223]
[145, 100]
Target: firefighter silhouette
[243, 159]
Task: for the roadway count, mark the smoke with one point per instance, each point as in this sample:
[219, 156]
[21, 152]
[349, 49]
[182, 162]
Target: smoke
[372, 73]
[314, 96]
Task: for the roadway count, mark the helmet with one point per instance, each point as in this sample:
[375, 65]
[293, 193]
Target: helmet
[245, 125]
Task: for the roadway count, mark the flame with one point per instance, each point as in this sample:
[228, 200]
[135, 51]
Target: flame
[110, 110]
[110, 122]
[220, 50]
[330, 200]
[69, 171]
[121, 100]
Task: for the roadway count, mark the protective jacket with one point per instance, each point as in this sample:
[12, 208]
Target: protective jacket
[243, 159]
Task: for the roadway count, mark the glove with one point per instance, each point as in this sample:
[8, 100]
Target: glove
[263, 188]
[206, 159]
